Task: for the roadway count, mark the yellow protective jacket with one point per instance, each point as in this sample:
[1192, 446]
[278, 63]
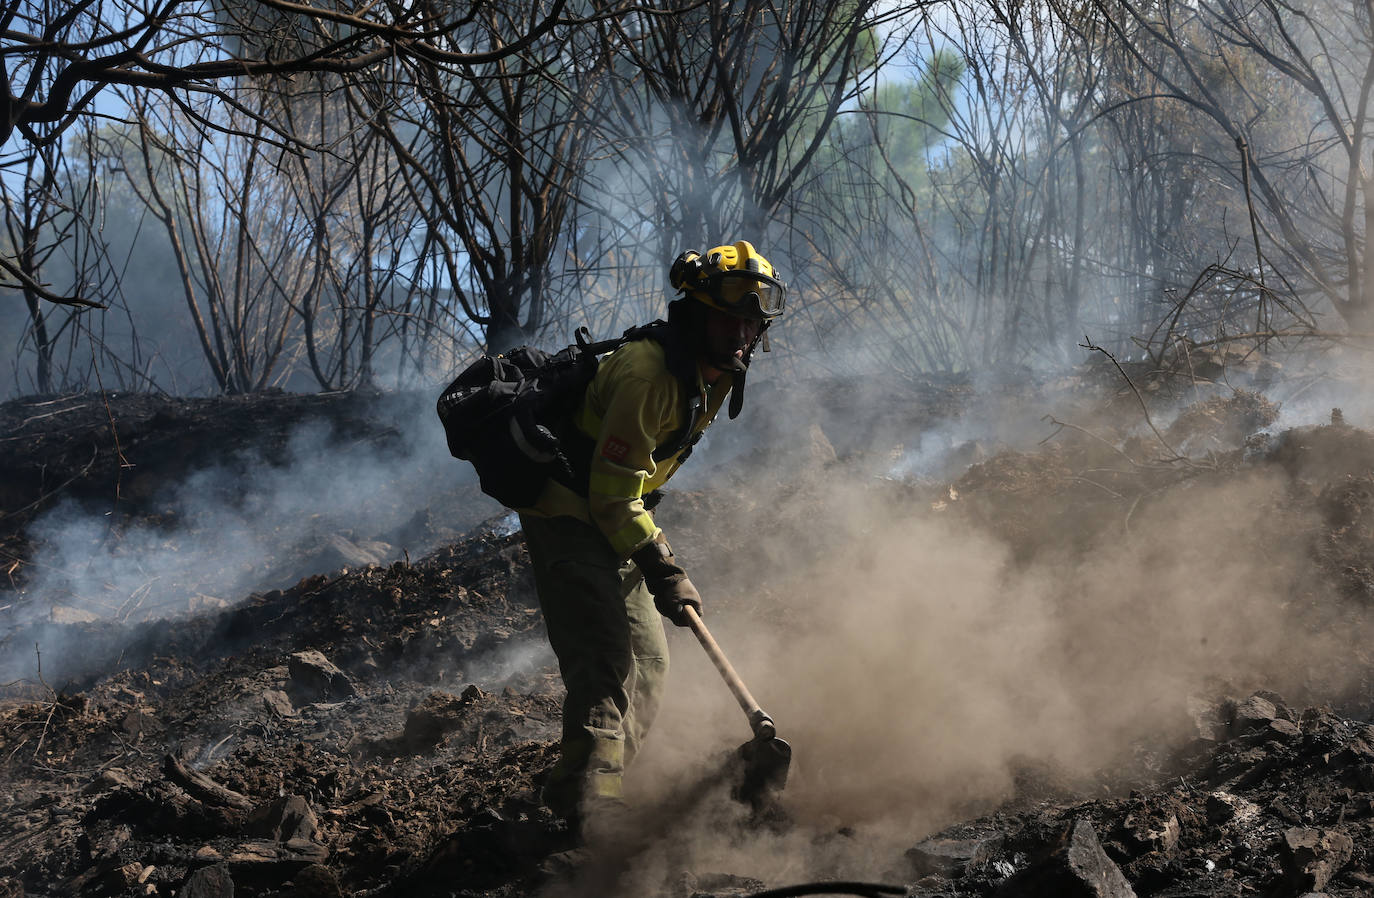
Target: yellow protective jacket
[633, 405]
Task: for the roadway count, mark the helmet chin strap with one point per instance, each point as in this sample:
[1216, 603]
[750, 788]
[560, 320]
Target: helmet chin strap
[738, 368]
[737, 390]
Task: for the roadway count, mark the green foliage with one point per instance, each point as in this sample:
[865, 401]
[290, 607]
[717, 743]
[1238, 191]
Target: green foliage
[906, 119]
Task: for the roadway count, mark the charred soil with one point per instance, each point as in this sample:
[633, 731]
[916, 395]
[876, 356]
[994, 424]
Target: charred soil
[376, 715]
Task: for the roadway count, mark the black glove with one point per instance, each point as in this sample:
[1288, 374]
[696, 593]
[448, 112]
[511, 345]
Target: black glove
[671, 589]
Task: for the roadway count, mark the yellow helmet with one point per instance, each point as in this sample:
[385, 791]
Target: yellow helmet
[733, 278]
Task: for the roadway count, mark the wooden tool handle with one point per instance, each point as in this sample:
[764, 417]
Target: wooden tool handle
[761, 723]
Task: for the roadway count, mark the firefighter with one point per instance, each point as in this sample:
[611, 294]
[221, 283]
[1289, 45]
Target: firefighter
[603, 569]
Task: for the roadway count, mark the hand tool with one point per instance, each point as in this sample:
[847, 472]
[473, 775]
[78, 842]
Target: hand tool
[766, 757]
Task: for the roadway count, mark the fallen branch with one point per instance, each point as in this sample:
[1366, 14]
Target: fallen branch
[1064, 425]
[54, 701]
[61, 411]
[202, 787]
[1106, 489]
[48, 495]
[1090, 345]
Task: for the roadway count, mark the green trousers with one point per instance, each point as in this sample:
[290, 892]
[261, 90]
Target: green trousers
[611, 650]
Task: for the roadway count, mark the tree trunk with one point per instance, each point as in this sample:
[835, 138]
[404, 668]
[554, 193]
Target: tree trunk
[504, 332]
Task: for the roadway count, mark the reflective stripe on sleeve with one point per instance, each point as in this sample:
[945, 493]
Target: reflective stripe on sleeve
[619, 486]
[639, 531]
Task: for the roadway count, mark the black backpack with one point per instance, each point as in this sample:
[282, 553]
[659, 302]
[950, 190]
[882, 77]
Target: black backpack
[510, 415]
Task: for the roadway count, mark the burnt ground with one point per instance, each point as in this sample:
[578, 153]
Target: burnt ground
[373, 712]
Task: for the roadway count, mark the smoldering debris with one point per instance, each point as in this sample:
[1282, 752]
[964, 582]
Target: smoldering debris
[127, 509]
[1074, 668]
[1278, 805]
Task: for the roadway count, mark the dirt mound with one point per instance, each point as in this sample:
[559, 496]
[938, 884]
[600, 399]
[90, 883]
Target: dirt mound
[330, 693]
[131, 507]
[1274, 801]
[80, 446]
[1221, 423]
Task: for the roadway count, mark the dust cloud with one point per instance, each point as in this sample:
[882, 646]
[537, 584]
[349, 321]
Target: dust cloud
[924, 674]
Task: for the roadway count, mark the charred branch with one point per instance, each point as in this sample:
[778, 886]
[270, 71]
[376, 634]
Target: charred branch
[202, 787]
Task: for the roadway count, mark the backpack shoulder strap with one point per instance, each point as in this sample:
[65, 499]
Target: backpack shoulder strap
[682, 365]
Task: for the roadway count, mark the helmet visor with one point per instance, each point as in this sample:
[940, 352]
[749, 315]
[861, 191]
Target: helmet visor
[748, 294]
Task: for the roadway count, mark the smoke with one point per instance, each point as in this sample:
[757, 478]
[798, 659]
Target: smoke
[1310, 399]
[517, 658]
[258, 520]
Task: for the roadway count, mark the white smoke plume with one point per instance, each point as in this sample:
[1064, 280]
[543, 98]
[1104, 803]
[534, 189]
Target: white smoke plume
[250, 524]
